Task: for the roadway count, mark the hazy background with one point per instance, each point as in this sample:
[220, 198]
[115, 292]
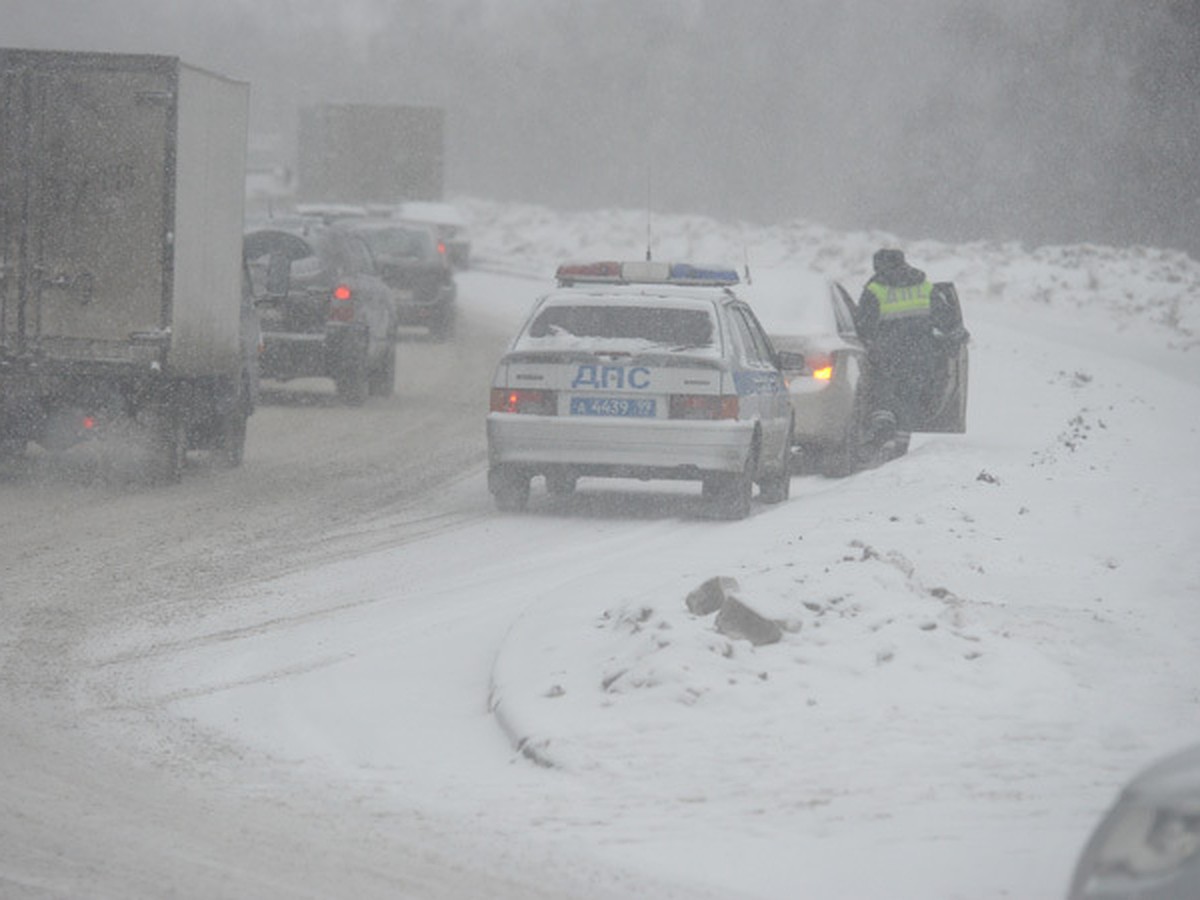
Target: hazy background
[1048, 121]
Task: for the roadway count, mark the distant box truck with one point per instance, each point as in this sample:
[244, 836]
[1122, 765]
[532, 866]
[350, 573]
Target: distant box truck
[364, 154]
[122, 302]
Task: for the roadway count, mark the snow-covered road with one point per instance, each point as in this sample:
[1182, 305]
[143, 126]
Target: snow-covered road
[280, 681]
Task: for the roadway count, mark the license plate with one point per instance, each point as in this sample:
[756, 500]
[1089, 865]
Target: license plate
[638, 408]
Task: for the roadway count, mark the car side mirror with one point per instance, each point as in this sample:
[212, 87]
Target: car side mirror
[790, 360]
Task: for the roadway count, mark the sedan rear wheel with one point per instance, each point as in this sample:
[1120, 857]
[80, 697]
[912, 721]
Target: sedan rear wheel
[853, 453]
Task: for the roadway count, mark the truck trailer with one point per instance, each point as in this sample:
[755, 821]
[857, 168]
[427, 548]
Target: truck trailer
[370, 154]
[122, 284]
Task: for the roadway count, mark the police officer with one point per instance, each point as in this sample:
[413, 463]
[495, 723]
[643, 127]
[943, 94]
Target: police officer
[894, 320]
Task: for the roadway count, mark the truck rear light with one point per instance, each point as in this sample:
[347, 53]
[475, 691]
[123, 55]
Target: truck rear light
[704, 406]
[526, 402]
[341, 304]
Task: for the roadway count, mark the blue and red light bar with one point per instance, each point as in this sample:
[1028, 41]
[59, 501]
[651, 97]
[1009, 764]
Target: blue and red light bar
[648, 272]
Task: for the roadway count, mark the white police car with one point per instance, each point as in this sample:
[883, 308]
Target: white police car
[646, 370]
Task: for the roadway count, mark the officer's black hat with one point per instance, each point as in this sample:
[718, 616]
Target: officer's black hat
[886, 260]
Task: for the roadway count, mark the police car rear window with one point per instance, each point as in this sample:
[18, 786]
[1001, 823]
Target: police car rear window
[675, 328]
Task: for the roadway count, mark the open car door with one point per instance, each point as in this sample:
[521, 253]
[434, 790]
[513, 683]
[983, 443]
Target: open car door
[943, 402]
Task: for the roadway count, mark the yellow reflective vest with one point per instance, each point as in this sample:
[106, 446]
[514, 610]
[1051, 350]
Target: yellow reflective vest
[901, 302]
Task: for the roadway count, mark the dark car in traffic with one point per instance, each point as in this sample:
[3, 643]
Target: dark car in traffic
[325, 312]
[449, 224]
[408, 258]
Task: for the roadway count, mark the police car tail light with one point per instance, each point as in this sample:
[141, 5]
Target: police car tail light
[703, 406]
[341, 304]
[524, 401]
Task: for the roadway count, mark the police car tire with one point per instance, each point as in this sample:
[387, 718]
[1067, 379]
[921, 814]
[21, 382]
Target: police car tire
[510, 490]
[731, 494]
[777, 486]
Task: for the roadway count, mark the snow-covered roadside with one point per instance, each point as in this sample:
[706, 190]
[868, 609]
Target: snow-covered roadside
[984, 638]
[979, 640]
[1119, 290]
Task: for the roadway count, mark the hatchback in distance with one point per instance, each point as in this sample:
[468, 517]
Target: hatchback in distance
[407, 258]
[325, 312]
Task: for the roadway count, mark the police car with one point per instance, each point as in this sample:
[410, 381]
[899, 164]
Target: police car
[647, 370]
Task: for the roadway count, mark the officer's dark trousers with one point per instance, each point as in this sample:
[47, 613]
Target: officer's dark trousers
[902, 374]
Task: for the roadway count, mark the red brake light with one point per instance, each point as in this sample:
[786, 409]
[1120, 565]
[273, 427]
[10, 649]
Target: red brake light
[442, 247]
[520, 400]
[88, 423]
[704, 406]
[597, 271]
[341, 307]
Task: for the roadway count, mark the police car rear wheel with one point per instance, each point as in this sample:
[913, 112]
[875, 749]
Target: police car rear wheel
[731, 492]
[510, 489]
[777, 486]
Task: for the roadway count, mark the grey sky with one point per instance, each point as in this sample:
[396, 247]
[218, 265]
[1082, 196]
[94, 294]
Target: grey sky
[1063, 121]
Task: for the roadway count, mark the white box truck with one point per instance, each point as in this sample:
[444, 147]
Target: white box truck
[122, 291]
